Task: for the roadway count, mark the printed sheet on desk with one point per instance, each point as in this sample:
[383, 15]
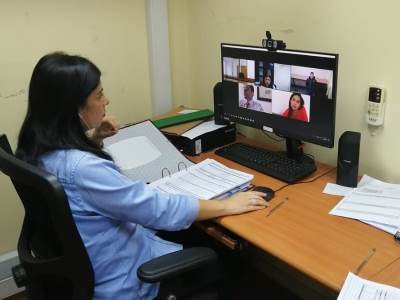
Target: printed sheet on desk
[356, 288]
[373, 201]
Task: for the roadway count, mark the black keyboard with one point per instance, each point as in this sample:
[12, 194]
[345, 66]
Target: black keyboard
[275, 164]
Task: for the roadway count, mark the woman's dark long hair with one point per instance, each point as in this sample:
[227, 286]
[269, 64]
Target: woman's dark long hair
[59, 87]
[290, 107]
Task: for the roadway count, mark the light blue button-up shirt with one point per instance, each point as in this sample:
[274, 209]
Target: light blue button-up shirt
[117, 219]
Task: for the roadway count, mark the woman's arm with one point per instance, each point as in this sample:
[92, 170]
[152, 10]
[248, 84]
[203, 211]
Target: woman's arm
[237, 204]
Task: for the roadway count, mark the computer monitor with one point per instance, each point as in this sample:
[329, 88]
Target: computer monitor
[289, 92]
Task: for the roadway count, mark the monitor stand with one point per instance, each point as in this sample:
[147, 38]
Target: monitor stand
[294, 150]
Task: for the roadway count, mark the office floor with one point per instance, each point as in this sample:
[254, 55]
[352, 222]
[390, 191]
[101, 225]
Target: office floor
[248, 287]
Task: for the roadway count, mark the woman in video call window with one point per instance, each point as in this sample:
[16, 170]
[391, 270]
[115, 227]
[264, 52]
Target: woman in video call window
[296, 108]
[267, 82]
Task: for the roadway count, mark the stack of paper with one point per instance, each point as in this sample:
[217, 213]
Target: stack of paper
[206, 180]
[373, 201]
[361, 289]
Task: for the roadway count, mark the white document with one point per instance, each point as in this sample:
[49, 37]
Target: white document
[206, 180]
[356, 288]
[373, 201]
[369, 208]
[337, 190]
[201, 129]
[142, 152]
[392, 229]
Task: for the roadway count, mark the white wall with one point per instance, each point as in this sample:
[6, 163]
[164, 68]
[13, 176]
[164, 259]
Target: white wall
[111, 33]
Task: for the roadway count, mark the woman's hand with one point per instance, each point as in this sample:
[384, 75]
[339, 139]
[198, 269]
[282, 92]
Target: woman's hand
[108, 127]
[237, 204]
[244, 202]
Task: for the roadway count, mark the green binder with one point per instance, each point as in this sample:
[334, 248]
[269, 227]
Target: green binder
[183, 118]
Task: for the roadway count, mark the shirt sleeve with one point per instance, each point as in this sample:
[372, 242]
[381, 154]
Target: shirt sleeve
[104, 190]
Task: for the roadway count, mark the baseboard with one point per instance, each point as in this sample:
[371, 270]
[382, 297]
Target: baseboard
[7, 284]
[8, 288]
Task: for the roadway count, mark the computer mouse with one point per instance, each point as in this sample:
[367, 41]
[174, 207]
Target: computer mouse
[269, 193]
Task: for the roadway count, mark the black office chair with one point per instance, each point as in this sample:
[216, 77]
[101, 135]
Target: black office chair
[54, 263]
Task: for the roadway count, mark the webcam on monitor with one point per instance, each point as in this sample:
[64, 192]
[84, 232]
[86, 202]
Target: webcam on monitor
[271, 44]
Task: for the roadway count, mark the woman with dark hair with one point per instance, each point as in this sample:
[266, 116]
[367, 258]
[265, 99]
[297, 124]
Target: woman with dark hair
[58, 91]
[296, 109]
[267, 82]
[117, 218]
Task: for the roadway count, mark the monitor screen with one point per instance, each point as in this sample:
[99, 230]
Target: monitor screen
[289, 92]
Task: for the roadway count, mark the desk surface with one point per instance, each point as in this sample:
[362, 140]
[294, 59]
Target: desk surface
[306, 238]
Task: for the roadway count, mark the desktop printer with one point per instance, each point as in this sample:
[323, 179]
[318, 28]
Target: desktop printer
[203, 137]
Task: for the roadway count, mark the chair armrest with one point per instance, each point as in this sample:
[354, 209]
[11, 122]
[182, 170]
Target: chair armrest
[176, 263]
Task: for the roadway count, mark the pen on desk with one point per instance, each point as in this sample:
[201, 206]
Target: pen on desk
[277, 206]
[364, 262]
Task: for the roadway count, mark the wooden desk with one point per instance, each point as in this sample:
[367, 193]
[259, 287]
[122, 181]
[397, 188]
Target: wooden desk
[390, 274]
[301, 245]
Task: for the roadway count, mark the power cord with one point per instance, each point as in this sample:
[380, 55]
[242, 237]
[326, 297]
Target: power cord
[310, 156]
[308, 181]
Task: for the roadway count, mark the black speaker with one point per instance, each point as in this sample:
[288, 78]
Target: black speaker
[348, 156]
[218, 104]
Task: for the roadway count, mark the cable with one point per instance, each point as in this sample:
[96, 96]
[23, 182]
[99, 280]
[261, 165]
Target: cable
[272, 138]
[310, 156]
[300, 182]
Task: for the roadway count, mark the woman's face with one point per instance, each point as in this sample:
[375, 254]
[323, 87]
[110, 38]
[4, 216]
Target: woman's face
[295, 102]
[94, 110]
[267, 81]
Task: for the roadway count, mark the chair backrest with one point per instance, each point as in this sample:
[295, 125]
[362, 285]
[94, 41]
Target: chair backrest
[50, 248]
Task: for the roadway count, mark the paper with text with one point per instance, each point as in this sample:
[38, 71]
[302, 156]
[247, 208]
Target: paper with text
[206, 180]
[356, 288]
[373, 201]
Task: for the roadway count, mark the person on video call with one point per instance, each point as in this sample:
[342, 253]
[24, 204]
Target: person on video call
[267, 82]
[117, 218]
[311, 83]
[296, 109]
[248, 101]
